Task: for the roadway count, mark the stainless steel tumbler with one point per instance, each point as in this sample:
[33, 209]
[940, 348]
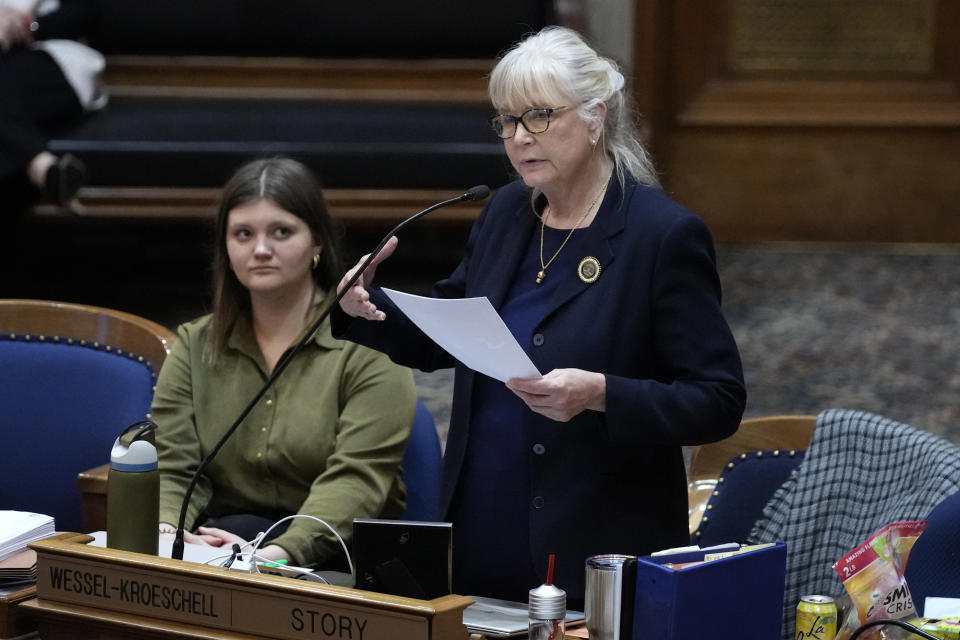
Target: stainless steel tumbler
[609, 594]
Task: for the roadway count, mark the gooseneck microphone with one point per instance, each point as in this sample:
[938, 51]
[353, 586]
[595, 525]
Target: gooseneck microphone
[477, 193]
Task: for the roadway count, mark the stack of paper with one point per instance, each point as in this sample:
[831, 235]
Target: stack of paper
[20, 528]
[18, 564]
[19, 568]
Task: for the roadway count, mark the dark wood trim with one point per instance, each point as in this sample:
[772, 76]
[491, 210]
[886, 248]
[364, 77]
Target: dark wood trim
[652, 56]
[707, 93]
[439, 80]
[351, 206]
[824, 103]
[699, 32]
[92, 485]
[945, 58]
[13, 621]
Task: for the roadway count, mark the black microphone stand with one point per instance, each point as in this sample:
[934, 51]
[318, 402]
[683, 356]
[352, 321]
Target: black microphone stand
[476, 193]
[898, 623]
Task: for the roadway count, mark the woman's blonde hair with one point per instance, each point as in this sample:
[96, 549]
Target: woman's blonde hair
[555, 65]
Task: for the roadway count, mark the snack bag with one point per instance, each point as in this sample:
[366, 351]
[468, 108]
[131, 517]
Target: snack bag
[947, 628]
[872, 573]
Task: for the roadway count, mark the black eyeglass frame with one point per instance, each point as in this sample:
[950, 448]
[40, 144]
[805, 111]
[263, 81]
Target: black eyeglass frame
[499, 118]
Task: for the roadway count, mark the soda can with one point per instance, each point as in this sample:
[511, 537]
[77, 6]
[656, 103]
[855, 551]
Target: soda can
[816, 618]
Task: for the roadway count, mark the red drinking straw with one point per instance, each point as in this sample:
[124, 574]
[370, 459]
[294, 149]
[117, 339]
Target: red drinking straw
[550, 564]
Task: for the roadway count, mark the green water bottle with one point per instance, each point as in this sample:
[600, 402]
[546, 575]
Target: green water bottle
[133, 491]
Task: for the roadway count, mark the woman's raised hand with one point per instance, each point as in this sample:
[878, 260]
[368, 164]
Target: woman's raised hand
[356, 301]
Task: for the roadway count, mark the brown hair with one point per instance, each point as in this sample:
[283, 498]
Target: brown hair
[293, 187]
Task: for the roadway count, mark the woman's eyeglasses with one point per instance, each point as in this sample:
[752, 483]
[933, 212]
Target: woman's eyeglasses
[534, 120]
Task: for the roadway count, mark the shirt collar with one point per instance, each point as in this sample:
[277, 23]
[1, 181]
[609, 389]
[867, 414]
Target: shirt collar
[243, 339]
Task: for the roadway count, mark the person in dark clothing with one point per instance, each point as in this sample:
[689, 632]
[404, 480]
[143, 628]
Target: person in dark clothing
[47, 78]
[612, 290]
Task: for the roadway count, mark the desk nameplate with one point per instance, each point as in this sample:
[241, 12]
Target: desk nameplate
[215, 598]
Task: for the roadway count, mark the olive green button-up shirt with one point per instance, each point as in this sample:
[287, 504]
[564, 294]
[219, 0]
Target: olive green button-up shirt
[326, 440]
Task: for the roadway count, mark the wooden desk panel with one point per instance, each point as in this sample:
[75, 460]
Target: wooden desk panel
[59, 621]
[91, 592]
[13, 622]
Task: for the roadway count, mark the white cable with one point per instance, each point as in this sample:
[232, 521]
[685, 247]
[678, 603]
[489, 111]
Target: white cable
[259, 539]
[255, 566]
[239, 555]
[216, 558]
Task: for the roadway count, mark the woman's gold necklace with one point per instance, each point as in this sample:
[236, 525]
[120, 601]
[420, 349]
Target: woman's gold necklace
[543, 223]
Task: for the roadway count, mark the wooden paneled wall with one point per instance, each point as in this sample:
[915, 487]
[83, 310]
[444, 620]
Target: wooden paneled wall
[806, 119]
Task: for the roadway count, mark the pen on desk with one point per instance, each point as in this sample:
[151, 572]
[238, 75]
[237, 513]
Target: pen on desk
[274, 563]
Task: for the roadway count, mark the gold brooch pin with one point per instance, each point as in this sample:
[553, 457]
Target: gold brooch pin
[589, 269]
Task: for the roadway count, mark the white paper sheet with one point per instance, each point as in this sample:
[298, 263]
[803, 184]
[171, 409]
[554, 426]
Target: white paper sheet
[471, 331]
[20, 528]
[191, 552]
[941, 607]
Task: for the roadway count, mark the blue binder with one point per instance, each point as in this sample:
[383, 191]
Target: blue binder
[735, 598]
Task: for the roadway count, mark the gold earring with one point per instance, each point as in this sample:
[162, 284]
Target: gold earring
[316, 260]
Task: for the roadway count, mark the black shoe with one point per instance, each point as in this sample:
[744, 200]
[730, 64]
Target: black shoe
[64, 179]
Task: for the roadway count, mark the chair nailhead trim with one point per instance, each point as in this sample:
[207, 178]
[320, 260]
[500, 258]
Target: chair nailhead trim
[731, 465]
[27, 337]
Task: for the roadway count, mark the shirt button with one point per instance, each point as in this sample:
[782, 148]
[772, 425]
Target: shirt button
[539, 449]
[263, 429]
[538, 502]
[538, 339]
[259, 454]
[269, 402]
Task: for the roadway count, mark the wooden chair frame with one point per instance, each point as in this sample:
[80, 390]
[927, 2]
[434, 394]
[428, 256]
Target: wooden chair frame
[783, 432]
[107, 326]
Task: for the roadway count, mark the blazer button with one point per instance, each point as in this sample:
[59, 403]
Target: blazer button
[538, 339]
[539, 449]
[538, 502]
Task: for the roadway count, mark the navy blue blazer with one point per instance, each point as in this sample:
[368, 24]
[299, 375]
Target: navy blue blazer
[613, 481]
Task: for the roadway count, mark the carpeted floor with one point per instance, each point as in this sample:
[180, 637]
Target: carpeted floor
[872, 328]
[875, 328]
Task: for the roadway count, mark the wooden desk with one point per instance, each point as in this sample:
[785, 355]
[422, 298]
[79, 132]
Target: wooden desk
[92, 485]
[94, 593]
[13, 622]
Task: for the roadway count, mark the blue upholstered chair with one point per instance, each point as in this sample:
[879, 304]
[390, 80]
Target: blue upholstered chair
[730, 481]
[422, 464]
[933, 568]
[71, 378]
